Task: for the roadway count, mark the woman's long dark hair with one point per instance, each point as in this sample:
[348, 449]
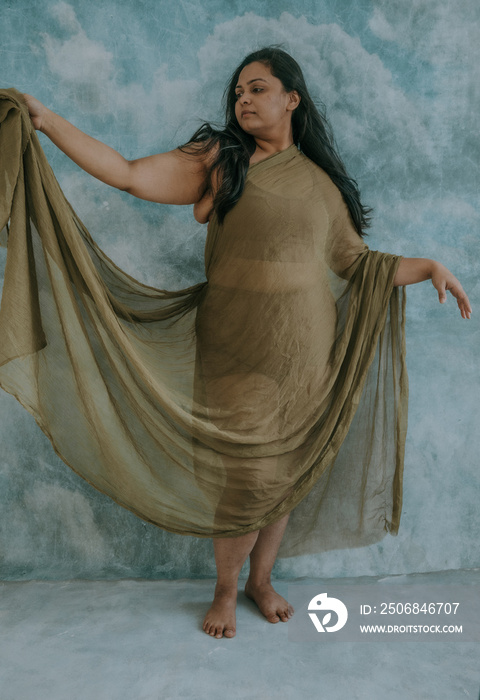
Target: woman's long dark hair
[311, 133]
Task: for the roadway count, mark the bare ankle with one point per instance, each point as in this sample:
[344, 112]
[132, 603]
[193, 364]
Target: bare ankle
[226, 587]
[256, 581]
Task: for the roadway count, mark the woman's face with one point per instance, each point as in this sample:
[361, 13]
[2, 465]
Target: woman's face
[262, 107]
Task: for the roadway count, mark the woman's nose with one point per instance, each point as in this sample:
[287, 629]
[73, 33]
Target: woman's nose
[244, 98]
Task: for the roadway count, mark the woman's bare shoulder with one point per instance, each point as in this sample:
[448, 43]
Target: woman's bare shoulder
[204, 152]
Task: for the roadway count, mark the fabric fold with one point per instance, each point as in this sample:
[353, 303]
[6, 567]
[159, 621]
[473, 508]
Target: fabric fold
[277, 385]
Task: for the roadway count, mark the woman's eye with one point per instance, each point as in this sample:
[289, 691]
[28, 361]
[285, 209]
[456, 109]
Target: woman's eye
[256, 89]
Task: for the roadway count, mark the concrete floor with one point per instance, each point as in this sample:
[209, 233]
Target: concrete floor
[143, 640]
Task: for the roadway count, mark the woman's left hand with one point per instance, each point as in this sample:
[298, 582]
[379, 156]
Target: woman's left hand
[443, 280]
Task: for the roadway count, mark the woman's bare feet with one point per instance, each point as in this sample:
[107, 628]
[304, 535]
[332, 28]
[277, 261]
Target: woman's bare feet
[220, 619]
[270, 603]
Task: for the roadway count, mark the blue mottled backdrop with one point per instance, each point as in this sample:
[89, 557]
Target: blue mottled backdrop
[400, 83]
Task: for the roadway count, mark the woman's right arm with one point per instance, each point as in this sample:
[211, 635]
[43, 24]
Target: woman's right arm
[169, 178]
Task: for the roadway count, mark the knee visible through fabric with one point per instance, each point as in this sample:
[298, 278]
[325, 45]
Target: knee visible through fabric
[244, 403]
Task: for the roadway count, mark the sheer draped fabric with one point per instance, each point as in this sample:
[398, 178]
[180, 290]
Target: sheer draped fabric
[276, 386]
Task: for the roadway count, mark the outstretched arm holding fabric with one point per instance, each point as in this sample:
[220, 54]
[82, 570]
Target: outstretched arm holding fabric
[173, 177]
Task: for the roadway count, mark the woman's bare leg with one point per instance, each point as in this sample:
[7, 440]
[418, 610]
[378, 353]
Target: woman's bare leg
[258, 586]
[236, 392]
[230, 555]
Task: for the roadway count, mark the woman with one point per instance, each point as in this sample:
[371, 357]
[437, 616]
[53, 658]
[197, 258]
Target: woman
[253, 383]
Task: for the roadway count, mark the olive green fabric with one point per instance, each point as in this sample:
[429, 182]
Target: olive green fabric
[278, 385]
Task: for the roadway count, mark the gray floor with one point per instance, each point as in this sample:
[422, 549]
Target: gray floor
[143, 640]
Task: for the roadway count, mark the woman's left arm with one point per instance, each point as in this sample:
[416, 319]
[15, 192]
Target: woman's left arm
[413, 270]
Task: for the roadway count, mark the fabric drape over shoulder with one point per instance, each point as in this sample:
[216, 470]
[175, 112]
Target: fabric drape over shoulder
[276, 386]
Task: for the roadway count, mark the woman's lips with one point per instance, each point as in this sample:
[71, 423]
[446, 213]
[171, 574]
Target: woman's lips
[245, 114]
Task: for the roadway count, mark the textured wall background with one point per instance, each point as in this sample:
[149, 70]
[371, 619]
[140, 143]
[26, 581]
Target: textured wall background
[401, 88]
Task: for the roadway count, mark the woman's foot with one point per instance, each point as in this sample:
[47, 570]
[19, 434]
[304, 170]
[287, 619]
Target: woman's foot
[220, 619]
[269, 602]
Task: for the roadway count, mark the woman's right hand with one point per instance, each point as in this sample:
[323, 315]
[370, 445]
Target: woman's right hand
[36, 110]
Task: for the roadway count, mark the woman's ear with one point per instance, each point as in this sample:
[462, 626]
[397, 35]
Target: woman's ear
[294, 100]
